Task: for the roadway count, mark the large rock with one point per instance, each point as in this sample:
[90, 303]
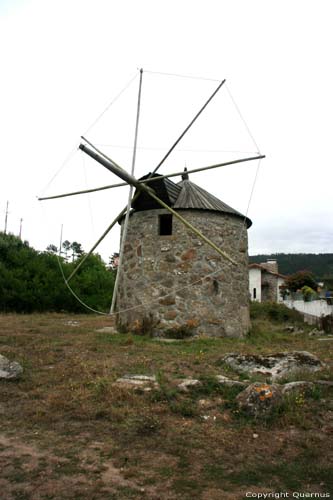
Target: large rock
[9, 370]
[260, 400]
[275, 366]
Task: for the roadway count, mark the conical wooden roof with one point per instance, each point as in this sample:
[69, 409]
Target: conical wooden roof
[194, 197]
[184, 195]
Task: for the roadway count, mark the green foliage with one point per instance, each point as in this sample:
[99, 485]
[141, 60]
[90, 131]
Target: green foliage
[185, 407]
[31, 281]
[274, 312]
[180, 332]
[308, 293]
[299, 280]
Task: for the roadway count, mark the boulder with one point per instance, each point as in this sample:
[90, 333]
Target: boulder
[9, 370]
[274, 366]
[260, 400]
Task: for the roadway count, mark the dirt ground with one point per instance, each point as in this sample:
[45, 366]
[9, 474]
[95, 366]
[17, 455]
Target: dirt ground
[68, 432]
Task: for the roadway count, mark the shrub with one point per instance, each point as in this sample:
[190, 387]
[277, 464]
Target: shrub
[182, 331]
[274, 312]
[308, 293]
[145, 326]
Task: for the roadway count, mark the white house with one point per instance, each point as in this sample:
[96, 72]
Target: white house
[265, 282]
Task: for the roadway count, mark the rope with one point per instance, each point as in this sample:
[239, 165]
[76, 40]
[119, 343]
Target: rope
[177, 75]
[243, 119]
[249, 202]
[173, 291]
[64, 163]
[143, 304]
[111, 103]
[74, 149]
[74, 294]
[199, 280]
[89, 197]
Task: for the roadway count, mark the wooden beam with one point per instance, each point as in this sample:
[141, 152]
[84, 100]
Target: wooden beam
[150, 179]
[141, 187]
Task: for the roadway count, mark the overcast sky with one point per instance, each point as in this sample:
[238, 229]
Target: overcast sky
[63, 62]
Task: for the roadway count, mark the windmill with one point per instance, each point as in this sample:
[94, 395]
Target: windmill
[152, 192]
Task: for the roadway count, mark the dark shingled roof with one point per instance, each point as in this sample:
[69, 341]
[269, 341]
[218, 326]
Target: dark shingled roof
[184, 195]
[165, 189]
[195, 197]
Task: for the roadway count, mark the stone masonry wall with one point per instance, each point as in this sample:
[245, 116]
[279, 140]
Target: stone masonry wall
[268, 287]
[156, 268]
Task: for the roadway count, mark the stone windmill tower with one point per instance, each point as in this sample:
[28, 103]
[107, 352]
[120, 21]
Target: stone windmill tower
[183, 254]
[170, 270]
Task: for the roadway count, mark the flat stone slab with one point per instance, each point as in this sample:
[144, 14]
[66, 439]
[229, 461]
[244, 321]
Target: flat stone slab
[274, 366]
[9, 370]
[300, 385]
[107, 329]
[230, 382]
[166, 341]
[144, 382]
[188, 383]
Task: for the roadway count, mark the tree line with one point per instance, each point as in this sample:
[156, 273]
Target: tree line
[32, 281]
[321, 265]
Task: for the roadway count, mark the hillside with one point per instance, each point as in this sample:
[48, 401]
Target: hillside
[321, 265]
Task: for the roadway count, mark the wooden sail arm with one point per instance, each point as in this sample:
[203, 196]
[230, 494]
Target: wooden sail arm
[150, 179]
[142, 187]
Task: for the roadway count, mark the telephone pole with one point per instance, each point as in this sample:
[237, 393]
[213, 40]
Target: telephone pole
[21, 220]
[6, 217]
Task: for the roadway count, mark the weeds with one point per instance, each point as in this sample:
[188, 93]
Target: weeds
[99, 387]
[143, 425]
[274, 312]
[67, 401]
[180, 332]
[185, 407]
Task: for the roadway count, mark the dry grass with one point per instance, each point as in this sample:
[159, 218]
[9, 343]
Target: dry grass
[68, 433]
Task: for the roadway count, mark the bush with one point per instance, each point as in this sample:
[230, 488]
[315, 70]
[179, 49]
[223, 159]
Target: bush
[182, 331]
[274, 312]
[31, 281]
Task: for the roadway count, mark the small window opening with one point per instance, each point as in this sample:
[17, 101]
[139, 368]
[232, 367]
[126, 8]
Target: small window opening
[165, 225]
[254, 293]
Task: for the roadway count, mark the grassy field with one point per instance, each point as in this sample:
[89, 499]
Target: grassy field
[67, 432]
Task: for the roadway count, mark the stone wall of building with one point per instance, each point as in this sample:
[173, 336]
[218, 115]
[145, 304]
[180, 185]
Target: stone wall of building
[157, 271]
[270, 265]
[269, 284]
